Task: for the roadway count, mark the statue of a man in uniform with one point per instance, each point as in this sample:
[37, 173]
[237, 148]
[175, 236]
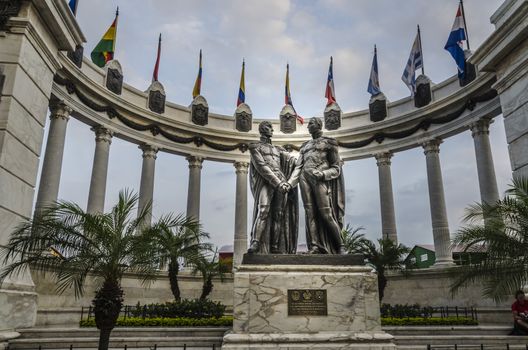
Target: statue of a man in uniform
[318, 171]
[276, 210]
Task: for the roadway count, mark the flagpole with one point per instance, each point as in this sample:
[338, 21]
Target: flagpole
[465, 24]
[421, 51]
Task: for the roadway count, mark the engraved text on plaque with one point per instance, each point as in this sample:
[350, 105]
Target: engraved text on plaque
[307, 302]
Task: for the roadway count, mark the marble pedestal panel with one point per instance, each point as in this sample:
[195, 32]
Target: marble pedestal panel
[260, 310]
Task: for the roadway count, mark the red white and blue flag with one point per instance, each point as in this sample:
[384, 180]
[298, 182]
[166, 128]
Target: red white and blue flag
[454, 43]
[287, 96]
[330, 90]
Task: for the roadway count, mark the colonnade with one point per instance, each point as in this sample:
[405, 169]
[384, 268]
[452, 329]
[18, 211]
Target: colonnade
[51, 170]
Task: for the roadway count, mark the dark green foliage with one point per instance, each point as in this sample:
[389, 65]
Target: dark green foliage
[501, 230]
[209, 268]
[198, 308]
[174, 238]
[224, 321]
[70, 243]
[401, 311]
[430, 321]
[385, 256]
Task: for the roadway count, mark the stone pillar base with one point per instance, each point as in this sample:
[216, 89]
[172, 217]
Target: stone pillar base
[18, 309]
[306, 302]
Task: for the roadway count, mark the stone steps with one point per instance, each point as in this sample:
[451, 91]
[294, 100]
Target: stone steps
[448, 330]
[123, 332]
[133, 338]
[203, 338]
[117, 342]
[462, 341]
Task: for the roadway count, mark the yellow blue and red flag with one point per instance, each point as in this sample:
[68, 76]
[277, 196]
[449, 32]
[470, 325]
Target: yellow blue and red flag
[242, 88]
[287, 96]
[198, 82]
[104, 51]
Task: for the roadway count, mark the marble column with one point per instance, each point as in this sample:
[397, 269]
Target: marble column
[485, 168]
[193, 191]
[96, 196]
[52, 164]
[146, 187]
[241, 205]
[441, 236]
[388, 216]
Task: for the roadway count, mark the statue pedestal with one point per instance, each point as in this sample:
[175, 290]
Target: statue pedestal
[320, 302]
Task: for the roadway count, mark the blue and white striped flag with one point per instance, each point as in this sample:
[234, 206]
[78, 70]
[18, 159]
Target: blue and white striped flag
[373, 85]
[414, 63]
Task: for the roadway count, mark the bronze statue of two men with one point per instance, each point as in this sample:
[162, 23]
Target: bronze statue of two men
[274, 176]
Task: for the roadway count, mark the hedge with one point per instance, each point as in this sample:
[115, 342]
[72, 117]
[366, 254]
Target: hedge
[183, 308]
[224, 321]
[429, 321]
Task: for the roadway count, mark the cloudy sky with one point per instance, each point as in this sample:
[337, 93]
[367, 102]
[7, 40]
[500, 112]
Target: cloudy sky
[268, 34]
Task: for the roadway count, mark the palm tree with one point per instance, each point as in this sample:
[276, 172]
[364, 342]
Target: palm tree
[385, 256]
[72, 244]
[209, 268]
[177, 238]
[353, 239]
[501, 230]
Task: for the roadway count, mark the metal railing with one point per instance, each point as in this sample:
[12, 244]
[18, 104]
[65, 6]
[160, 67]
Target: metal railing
[126, 347]
[433, 311]
[476, 346]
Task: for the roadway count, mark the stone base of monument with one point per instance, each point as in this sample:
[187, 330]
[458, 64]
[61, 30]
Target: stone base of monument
[306, 302]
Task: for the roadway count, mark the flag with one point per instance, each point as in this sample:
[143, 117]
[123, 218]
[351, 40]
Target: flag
[198, 82]
[414, 62]
[242, 88]
[287, 96]
[330, 91]
[156, 66]
[104, 51]
[454, 42]
[73, 6]
[373, 85]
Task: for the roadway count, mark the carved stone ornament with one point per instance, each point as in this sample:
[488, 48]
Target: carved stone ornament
[156, 97]
[8, 9]
[243, 118]
[199, 111]
[114, 77]
[288, 120]
[332, 117]
[471, 71]
[423, 95]
[378, 107]
[77, 56]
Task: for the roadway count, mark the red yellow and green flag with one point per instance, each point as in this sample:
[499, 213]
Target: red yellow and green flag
[104, 51]
[198, 82]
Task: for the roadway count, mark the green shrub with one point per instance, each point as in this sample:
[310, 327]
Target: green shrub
[224, 321]
[400, 311]
[429, 321]
[184, 308]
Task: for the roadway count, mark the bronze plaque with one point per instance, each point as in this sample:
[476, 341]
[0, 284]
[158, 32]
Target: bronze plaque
[307, 302]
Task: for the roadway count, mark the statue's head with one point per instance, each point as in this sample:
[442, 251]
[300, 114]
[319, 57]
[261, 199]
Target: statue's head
[314, 125]
[266, 129]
